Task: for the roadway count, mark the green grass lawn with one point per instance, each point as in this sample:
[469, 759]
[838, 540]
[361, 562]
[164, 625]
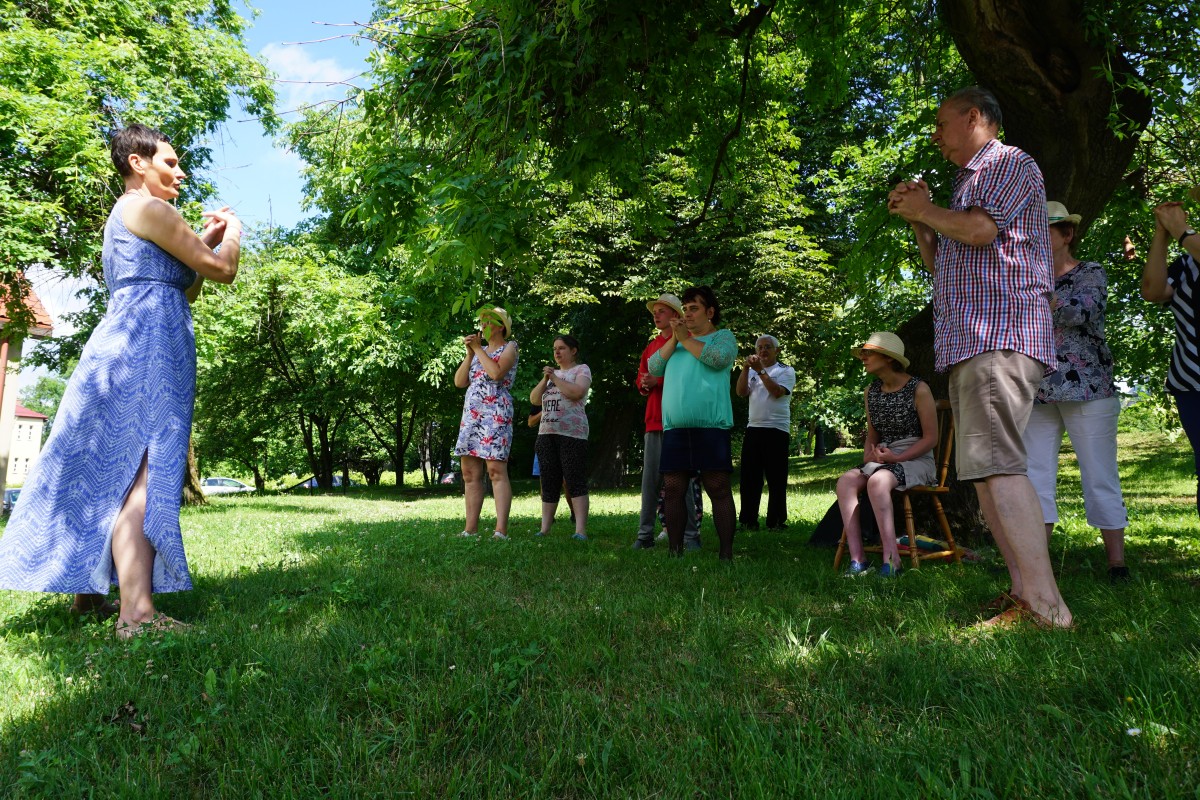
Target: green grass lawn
[353, 647]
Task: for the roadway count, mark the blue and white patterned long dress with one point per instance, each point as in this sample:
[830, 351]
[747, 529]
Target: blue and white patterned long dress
[131, 394]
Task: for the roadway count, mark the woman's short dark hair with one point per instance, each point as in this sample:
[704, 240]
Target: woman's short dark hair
[705, 295]
[570, 341]
[137, 140]
[1068, 229]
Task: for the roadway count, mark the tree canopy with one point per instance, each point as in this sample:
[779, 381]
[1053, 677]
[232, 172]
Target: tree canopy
[72, 73]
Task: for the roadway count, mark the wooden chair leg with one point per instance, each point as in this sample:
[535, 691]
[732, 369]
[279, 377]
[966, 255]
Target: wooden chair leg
[945, 524]
[914, 552]
[837, 559]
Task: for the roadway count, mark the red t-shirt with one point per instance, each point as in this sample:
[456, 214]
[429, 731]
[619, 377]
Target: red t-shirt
[654, 396]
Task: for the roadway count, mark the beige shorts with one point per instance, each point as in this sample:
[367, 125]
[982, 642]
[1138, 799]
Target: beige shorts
[992, 396]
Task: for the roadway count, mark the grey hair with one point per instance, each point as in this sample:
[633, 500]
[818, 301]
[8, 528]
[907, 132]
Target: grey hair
[774, 342]
[980, 99]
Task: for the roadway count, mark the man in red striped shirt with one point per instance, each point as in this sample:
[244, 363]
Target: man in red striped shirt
[989, 253]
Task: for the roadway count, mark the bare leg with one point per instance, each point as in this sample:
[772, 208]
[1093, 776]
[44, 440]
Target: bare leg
[548, 510]
[1018, 518]
[1114, 545]
[133, 555]
[472, 471]
[501, 494]
[95, 604]
[879, 490]
[580, 504]
[992, 516]
[849, 486]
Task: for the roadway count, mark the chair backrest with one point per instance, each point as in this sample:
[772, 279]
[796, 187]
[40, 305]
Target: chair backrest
[945, 441]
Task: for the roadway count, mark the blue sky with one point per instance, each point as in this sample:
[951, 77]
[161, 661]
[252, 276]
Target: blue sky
[311, 62]
[258, 179]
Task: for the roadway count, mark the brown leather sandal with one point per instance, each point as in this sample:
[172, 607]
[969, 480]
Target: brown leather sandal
[159, 623]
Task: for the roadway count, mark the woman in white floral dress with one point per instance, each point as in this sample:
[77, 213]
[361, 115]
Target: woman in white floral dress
[485, 434]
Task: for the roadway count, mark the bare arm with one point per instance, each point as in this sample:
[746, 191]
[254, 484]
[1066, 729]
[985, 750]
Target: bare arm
[572, 390]
[156, 221]
[871, 441]
[462, 375]
[912, 202]
[499, 367]
[535, 396]
[927, 413]
[743, 381]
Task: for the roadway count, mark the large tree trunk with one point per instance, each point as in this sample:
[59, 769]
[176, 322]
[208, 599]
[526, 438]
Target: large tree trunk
[1052, 86]
[193, 495]
[609, 451]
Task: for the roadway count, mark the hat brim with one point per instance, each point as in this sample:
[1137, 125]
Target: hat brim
[1074, 219]
[858, 351]
[650, 306]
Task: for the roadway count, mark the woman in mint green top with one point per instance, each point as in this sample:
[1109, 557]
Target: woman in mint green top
[697, 414]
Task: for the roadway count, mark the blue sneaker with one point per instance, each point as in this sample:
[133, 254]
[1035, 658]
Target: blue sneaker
[889, 571]
[582, 537]
[643, 544]
[692, 544]
[857, 568]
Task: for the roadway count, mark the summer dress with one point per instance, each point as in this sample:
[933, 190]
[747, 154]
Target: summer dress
[486, 429]
[131, 395]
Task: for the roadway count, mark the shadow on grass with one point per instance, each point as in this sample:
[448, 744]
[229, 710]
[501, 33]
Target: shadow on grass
[381, 658]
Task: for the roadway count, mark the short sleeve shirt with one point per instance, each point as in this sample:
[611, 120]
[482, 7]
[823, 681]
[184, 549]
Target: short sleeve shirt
[767, 411]
[560, 415]
[996, 297]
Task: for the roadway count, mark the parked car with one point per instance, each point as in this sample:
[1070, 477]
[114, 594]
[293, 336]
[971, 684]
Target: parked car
[312, 483]
[214, 485]
[10, 499]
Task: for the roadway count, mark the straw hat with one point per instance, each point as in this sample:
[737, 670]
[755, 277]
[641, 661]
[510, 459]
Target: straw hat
[497, 314]
[1058, 213]
[669, 300]
[888, 344]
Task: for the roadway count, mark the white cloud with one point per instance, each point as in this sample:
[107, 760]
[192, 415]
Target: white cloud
[303, 79]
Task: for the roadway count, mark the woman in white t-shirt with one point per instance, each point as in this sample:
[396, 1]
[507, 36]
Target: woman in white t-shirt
[563, 433]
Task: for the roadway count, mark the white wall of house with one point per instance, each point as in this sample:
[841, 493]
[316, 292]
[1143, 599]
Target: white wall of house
[24, 448]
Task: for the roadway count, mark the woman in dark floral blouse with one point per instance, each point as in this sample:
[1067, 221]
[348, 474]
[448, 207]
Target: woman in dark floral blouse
[1079, 397]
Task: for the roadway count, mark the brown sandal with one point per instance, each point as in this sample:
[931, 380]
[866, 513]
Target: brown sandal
[159, 623]
[1002, 602]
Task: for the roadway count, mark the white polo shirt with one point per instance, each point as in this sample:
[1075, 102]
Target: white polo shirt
[767, 411]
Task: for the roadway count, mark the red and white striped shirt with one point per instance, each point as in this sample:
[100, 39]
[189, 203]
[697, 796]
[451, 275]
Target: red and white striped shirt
[996, 297]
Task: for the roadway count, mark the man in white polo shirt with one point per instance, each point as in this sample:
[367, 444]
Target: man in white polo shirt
[769, 386]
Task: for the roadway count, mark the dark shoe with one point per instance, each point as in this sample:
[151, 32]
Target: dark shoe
[779, 526]
[889, 571]
[643, 544]
[692, 545]
[748, 526]
[1119, 574]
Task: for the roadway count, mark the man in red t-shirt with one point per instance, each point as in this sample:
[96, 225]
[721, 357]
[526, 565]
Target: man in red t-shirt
[666, 308]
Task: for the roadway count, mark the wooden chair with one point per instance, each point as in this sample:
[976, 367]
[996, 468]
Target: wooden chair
[941, 454]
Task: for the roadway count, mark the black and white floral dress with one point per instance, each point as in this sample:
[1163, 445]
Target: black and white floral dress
[895, 419]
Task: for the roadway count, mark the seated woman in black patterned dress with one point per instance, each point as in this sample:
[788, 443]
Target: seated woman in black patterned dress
[898, 452]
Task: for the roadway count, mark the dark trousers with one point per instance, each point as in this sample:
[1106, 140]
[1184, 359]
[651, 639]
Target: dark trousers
[1188, 404]
[764, 453]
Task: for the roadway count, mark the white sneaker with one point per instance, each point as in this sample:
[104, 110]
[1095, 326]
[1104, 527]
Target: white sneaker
[499, 537]
[662, 534]
[467, 535]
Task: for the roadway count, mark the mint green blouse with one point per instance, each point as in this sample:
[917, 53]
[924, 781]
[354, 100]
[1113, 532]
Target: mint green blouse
[696, 392]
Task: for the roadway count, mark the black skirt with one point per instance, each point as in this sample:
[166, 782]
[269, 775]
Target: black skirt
[696, 450]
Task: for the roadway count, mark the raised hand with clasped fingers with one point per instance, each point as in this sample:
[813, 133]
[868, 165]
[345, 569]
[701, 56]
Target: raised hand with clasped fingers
[1171, 217]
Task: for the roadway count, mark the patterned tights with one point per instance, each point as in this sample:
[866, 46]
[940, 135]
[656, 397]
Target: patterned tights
[716, 485]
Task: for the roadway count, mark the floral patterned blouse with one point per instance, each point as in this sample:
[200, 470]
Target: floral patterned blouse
[1084, 366]
[486, 429]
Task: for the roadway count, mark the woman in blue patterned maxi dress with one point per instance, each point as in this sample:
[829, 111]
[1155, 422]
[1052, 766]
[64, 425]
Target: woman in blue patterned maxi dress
[101, 507]
[485, 434]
